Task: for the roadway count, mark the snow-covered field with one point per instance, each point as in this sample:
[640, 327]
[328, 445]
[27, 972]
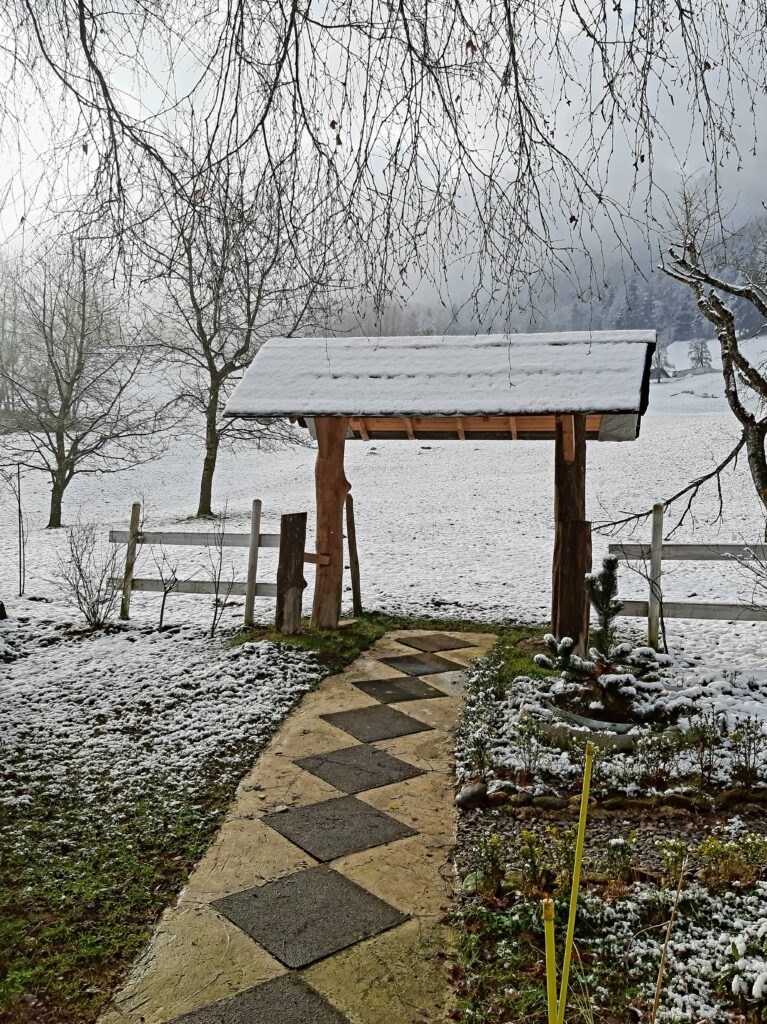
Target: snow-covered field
[445, 527]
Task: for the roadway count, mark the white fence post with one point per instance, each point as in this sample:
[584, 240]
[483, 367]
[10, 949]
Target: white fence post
[656, 553]
[250, 588]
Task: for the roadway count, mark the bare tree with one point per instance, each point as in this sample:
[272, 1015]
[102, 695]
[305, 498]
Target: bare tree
[726, 277]
[699, 354]
[79, 403]
[232, 264]
[223, 582]
[661, 364]
[438, 130]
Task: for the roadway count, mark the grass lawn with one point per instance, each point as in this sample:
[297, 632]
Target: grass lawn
[83, 880]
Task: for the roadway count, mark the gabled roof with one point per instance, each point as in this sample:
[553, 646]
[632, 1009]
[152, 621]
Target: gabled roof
[603, 372]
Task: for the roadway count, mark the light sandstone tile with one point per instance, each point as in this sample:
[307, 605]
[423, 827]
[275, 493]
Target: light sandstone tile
[276, 782]
[246, 852]
[430, 751]
[424, 803]
[395, 978]
[195, 957]
[439, 712]
[409, 874]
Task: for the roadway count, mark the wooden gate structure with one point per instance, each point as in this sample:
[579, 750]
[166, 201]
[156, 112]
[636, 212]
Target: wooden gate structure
[566, 387]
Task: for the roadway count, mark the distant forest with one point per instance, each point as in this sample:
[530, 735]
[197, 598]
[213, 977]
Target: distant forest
[628, 301]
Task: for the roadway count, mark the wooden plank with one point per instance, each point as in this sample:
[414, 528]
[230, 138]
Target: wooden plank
[130, 559]
[460, 428]
[364, 431]
[169, 537]
[255, 543]
[513, 427]
[269, 540]
[290, 574]
[568, 437]
[409, 429]
[354, 561]
[311, 558]
[150, 586]
[722, 612]
[692, 552]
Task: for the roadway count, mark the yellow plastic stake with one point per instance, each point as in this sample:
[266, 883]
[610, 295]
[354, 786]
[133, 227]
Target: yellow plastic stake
[551, 963]
[576, 883]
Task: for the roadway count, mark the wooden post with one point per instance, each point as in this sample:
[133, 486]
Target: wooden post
[290, 573]
[332, 488]
[354, 562]
[130, 559]
[250, 587]
[572, 534]
[656, 550]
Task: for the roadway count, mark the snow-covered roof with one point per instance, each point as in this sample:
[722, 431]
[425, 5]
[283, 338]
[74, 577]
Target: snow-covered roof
[448, 375]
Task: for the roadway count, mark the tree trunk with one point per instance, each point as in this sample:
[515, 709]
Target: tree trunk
[58, 486]
[757, 462]
[204, 507]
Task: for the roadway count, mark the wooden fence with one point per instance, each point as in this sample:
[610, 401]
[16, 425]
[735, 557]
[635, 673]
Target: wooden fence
[656, 552]
[287, 590]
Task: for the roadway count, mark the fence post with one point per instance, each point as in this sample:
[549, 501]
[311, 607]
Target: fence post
[130, 559]
[290, 573]
[354, 562]
[250, 587]
[656, 551]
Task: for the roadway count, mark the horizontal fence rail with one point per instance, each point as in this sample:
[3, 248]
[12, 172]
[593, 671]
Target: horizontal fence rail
[195, 540]
[223, 589]
[656, 608]
[693, 552]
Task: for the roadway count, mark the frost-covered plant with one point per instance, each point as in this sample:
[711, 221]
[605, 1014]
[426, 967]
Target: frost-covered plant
[478, 731]
[602, 589]
[561, 844]
[673, 854]
[87, 574]
[742, 858]
[749, 742]
[657, 758]
[489, 858]
[527, 737]
[705, 737]
[619, 858]
[562, 659]
[536, 876]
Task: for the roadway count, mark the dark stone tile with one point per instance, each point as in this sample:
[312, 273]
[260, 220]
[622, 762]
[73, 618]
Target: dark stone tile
[397, 689]
[378, 722]
[433, 642]
[287, 999]
[308, 915]
[334, 828]
[355, 769]
[420, 664]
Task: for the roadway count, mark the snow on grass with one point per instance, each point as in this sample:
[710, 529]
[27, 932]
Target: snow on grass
[100, 717]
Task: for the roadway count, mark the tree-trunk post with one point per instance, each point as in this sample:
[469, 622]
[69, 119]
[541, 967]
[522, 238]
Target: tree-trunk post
[354, 561]
[250, 586]
[290, 573]
[57, 496]
[332, 488]
[130, 559]
[656, 553]
[572, 534]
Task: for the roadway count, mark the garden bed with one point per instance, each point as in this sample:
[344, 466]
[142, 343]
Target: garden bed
[687, 803]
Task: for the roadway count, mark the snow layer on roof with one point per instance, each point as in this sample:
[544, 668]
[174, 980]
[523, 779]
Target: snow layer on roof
[492, 374]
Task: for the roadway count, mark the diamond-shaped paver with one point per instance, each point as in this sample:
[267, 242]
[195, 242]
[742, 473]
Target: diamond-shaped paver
[287, 999]
[311, 914]
[434, 642]
[420, 664]
[397, 689]
[377, 722]
[337, 827]
[356, 769]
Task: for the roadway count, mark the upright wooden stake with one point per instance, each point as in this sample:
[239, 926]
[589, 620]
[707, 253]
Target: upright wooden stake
[130, 559]
[290, 573]
[656, 551]
[572, 533]
[250, 588]
[332, 488]
[354, 562]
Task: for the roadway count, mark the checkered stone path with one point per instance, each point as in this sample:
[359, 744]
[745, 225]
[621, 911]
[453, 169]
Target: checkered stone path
[321, 899]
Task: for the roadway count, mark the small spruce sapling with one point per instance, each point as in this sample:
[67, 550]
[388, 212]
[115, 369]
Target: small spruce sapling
[602, 588]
